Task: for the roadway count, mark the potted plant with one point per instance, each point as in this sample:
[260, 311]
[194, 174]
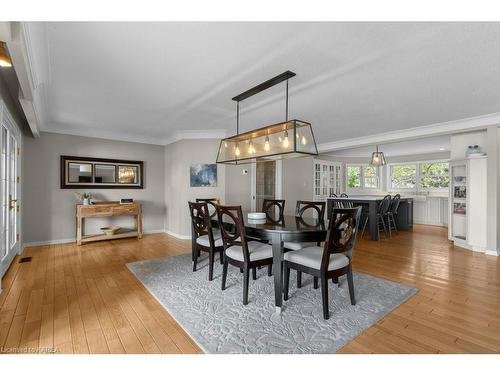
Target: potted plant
[84, 198]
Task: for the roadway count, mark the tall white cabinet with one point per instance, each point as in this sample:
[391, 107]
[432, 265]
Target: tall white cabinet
[327, 179]
[467, 221]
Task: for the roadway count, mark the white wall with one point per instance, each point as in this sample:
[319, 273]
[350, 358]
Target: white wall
[49, 211]
[178, 157]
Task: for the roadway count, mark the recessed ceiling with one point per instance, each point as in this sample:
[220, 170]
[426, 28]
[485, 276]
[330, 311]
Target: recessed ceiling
[149, 81]
[422, 146]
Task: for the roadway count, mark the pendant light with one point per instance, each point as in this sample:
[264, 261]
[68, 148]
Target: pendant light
[285, 140]
[377, 159]
[5, 60]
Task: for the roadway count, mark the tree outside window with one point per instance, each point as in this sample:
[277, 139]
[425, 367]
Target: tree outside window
[434, 176]
[353, 176]
[404, 176]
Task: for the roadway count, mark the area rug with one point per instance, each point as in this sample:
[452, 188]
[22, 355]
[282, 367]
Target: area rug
[219, 323]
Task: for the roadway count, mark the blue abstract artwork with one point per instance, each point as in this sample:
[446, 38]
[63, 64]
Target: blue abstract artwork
[203, 175]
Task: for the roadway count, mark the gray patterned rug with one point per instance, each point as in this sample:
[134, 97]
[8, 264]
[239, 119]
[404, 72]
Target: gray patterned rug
[219, 323]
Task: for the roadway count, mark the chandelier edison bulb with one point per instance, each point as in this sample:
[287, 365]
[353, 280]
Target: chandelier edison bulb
[267, 146]
[237, 150]
[286, 142]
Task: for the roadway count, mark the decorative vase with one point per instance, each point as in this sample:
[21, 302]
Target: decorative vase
[86, 201]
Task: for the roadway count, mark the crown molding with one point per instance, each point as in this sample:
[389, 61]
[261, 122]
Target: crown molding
[443, 128]
[135, 138]
[196, 134]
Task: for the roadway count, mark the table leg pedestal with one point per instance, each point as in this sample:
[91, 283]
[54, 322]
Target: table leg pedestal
[278, 270]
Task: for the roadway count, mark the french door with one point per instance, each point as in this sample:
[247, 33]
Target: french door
[266, 182]
[10, 140]
[327, 179]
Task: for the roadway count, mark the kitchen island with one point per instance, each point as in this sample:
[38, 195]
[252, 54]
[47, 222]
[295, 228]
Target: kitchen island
[404, 218]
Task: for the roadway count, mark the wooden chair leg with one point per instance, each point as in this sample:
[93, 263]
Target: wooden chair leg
[335, 280]
[221, 256]
[254, 273]
[394, 222]
[364, 226]
[324, 297]
[389, 225]
[241, 270]
[210, 265]
[270, 270]
[381, 219]
[286, 282]
[196, 256]
[350, 282]
[315, 282]
[299, 279]
[224, 274]
[246, 279]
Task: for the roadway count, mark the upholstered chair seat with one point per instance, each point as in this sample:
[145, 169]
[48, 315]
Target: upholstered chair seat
[311, 257]
[204, 241]
[298, 245]
[256, 250]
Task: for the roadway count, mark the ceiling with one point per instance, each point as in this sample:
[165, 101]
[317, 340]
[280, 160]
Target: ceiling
[413, 147]
[149, 82]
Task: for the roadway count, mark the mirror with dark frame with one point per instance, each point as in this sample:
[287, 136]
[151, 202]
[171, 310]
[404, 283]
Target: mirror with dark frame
[86, 172]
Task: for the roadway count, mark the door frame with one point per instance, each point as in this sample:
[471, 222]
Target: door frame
[7, 121]
[278, 187]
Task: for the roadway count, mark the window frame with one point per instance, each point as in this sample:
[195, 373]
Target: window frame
[362, 187]
[418, 185]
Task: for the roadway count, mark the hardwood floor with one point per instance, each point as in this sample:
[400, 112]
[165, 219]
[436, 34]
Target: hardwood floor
[84, 299]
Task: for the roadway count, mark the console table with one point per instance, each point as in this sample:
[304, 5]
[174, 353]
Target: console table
[106, 209]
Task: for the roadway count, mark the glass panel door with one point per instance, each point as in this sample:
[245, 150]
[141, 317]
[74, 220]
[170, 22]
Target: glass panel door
[265, 182]
[9, 197]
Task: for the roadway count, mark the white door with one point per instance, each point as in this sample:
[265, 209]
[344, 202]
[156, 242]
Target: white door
[9, 192]
[327, 179]
[266, 182]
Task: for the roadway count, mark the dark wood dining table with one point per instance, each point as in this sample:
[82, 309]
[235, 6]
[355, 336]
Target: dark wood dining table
[288, 229]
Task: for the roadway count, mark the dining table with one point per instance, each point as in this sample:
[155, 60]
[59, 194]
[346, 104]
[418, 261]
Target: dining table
[277, 230]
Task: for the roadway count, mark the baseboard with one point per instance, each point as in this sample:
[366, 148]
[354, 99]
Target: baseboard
[491, 252]
[73, 239]
[176, 235]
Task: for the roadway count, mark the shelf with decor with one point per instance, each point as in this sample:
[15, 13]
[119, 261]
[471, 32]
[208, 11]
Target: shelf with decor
[467, 221]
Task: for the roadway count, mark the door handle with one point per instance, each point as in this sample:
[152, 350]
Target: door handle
[11, 207]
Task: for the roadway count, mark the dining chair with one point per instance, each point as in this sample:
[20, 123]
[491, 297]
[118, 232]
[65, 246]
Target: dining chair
[239, 252]
[204, 237]
[300, 209]
[345, 204]
[392, 213]
[382, 209]
[212, 205]
[331, 261]
[269, 207]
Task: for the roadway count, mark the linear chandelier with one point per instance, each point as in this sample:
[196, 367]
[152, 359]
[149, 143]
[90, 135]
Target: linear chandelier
[285, 140]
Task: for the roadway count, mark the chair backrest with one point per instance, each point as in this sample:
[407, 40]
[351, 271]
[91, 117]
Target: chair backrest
[344, 195]
[333, 195]
[342, 233]
[233, 230]
[268, 207]
[303, 206]
[384, 205]
[212, 202]
[395, 203]
[200, 220]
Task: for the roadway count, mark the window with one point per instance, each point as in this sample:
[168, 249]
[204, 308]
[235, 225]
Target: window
[419, 176]
[403, 176]
[434, 176]
[353, 176]
[362, 177]
[370, 177]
